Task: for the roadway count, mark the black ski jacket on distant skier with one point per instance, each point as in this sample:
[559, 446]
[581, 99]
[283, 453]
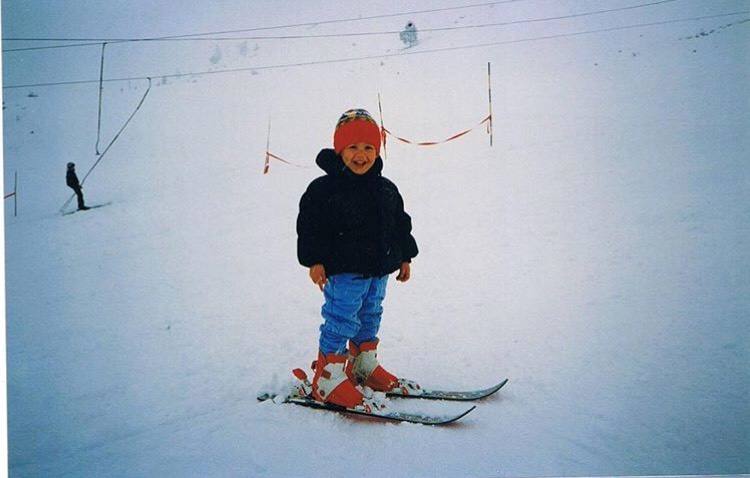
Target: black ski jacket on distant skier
[353, 223]
[71, 179]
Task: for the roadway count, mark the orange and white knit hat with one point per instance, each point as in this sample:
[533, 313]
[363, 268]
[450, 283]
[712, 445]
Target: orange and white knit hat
[356, 126]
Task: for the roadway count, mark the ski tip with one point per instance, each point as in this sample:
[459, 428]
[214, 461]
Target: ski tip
[497, 387]
[493, 390]
[460, 415]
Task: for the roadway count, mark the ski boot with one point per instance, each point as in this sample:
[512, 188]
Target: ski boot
[366, 369]
[331, 384]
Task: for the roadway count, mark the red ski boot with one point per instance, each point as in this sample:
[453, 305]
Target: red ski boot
[366, 369]
[331, 383]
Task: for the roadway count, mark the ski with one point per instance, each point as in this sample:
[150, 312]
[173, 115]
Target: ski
[409, 389]
[95, 206]
[301, 395]
[419, 418]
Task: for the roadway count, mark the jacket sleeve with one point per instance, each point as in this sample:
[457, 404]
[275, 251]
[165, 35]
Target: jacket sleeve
[409, 248]
[312, 238]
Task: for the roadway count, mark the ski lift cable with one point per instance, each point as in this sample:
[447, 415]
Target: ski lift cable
[341, 35]
[387, 55]
[291, 25]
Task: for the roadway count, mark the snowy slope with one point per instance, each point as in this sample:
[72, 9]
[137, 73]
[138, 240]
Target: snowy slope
[597, 255]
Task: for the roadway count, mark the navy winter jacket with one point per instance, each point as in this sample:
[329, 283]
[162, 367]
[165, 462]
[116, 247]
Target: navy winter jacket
[72, 179]
[353, 223]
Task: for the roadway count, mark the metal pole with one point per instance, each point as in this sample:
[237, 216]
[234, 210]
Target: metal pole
[268, 148]
[15, 195]
[382, 128]
[489, 91]
[101, 89]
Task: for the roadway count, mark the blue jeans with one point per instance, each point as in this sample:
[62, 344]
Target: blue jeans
[352, 311]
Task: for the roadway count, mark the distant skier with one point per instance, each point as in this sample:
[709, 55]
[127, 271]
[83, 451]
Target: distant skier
[352, 232]
[71, 178]
[409, 35]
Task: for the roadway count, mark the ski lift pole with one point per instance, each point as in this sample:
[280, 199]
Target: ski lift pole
[489, 92]
[101, 89]
[104, 153]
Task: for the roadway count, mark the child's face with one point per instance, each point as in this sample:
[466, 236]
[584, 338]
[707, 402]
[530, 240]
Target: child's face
[359, 157]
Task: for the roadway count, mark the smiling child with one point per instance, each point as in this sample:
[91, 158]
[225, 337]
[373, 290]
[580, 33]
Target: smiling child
[352, 232]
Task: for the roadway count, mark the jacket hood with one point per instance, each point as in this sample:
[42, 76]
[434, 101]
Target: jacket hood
[331, 163]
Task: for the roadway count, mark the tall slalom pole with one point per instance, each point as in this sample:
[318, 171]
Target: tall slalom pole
[489, 91]
[268, 148]
[382, 128]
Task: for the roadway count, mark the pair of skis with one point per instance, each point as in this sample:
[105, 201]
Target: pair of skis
[301, 395]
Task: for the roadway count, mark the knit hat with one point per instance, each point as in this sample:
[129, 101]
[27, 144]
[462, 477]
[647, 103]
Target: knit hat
[356, 126]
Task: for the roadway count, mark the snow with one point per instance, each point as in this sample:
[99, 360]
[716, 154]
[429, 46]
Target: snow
[596, 255]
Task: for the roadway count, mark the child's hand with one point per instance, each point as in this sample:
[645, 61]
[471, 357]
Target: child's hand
[318, 275]
[404, 273]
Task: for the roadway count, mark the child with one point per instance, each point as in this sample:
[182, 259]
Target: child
[352, 232]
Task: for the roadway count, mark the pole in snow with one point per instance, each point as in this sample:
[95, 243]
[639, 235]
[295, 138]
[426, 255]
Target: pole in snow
[268, 149]
[489, 91]
[382, 128]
